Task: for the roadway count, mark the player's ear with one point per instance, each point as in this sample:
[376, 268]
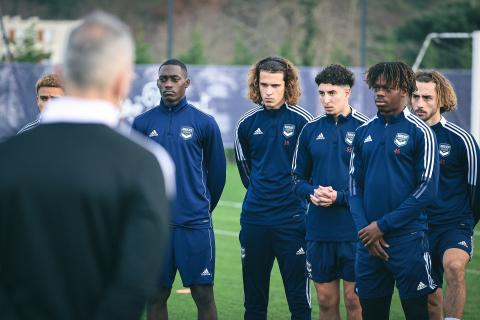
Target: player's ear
[187, 83]
[348, 92]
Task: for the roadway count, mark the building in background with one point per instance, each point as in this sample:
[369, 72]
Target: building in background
[49, 35]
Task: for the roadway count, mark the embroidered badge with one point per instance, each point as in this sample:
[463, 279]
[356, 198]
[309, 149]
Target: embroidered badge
[444, 149]
[401, 139]
[349, 137]
[186, 133]
[288, 130]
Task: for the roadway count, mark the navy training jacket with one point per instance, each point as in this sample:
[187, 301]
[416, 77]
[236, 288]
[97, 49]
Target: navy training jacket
[322, 157]
[393, 174]
[458, 199]
[265, 141]
[194, 142]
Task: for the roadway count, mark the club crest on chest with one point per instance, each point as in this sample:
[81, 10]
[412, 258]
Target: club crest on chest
[349, 137]
[401, 139]
[444, 149]
[288, 130]
[186, 132]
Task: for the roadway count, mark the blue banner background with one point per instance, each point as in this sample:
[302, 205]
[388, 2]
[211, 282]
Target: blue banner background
[218, 90]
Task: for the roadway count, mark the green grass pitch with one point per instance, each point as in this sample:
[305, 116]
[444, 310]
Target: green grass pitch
[228, 275]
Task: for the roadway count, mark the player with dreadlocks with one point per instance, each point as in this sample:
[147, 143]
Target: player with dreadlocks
[393, 177]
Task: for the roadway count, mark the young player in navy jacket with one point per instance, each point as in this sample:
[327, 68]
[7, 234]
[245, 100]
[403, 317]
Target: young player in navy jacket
[456, 210]
[394, 176]
[273, 218]
[193, 139]
[47, 88]
[320, 171]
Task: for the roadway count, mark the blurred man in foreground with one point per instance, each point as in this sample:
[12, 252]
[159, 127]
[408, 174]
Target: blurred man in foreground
[82, 231]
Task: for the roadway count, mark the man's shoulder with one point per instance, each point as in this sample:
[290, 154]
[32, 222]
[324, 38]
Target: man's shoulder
[250, 114]
[359, 117]
[456, 131]
[29, 126]
[300, 112]
[199, 115]
[370, 123]
[316, 122]
[140, 149]
[146, 115]
[414, 121]
[460, 138]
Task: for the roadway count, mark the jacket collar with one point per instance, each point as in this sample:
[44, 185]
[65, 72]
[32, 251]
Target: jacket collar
[440, 123]
[393, 119]
[76, 110]
[341, 118]
[274, 112]
[179, 106]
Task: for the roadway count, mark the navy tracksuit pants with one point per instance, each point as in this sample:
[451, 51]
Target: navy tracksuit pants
[260, 245]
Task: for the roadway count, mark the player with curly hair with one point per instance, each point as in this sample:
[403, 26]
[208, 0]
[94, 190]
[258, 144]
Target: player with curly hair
[320, 171]
[273, 218]
[456, 210]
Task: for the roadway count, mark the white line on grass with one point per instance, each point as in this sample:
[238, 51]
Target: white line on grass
[226, 233]
[231, 204]
[238, 205]
[473, 271]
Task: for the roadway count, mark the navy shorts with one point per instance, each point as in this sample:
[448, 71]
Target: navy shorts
[441, 239]
[408, 266]
[192, 252]
[329, 261]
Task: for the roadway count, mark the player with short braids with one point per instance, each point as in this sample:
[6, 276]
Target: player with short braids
[395, 156]
[396, 74]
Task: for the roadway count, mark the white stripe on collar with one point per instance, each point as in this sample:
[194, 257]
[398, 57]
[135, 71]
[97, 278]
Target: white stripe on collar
[76, 110]
[443, 120]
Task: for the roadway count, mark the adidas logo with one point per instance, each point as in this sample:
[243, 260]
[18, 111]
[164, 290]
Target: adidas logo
[153, 133]
[320, 137]
[463, 243]
[421, 286]
[258, 131]
[205, 273]
[300, 251]
[368, 139]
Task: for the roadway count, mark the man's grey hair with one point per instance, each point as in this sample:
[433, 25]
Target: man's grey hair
[97, 50]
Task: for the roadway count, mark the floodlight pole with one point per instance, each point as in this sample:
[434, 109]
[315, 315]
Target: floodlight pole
[170, 4]
[363, 34]
[475, 107]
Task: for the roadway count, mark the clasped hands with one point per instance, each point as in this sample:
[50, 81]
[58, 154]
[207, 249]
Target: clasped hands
[372, 238]
[323, 196]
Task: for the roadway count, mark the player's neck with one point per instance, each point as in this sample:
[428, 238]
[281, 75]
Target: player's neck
[434, 119]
